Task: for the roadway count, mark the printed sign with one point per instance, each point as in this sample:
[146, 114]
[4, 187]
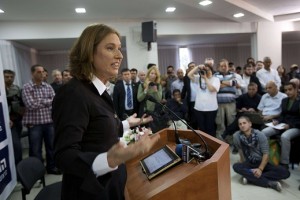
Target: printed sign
[3, 135]
[5, 173]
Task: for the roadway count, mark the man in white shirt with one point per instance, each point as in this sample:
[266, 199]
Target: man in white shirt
[270, 102]
[267, 74]
[178, 83]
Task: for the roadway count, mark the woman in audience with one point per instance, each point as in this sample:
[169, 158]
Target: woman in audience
[151, 87]
[166, 93]
[206, 104]
[290, 116]
[284, 78]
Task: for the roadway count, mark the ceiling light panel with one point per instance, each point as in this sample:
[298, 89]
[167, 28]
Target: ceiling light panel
[80, 10]
[170, 9]
[205, 2]
[238, 15]
[1, 11]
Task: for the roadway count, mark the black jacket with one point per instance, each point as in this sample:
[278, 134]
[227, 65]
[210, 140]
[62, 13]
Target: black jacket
[85, 125]
[292, 116]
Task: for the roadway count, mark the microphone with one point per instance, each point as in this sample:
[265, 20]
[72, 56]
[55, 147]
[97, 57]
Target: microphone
[204, 155]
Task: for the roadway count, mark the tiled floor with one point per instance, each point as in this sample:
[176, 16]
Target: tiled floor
[239, 192]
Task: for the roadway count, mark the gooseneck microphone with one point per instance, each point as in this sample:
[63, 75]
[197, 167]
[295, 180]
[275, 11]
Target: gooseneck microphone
[201, 155]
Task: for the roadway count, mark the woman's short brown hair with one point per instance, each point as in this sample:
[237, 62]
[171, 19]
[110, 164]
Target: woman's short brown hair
[81, 55]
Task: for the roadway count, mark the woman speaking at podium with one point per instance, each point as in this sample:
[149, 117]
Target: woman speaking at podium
[87, 129]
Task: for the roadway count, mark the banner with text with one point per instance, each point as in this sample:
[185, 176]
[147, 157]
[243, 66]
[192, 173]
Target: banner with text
[8, 178]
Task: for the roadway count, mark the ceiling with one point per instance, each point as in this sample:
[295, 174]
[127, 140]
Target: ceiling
[142, 10]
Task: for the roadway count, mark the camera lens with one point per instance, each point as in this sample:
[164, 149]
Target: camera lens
[151, 84]
[202, 72]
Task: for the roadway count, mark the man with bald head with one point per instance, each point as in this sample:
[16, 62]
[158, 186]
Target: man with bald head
[267, 74]
[178, 83]
[269, 105]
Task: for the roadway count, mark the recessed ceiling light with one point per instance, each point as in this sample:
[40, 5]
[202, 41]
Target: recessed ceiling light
[237, 15]
[80, 10]
[205, 2]
[170, 9]
[1, 11]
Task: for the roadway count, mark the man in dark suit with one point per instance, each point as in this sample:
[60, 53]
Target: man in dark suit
[125, 96]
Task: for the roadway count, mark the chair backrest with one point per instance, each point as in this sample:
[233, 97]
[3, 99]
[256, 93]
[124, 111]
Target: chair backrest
[30, 170]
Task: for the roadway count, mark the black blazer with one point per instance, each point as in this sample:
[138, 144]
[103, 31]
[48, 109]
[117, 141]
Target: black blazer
[254, 79]
[119, 96]
[85, 125]
[292, 116]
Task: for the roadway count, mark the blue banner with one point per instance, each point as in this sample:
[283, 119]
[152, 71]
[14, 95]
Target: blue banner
[5, 173]
[3, 135]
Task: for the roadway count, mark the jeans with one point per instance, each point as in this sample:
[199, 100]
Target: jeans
[285, 138]
[36, 135]
[270, 173]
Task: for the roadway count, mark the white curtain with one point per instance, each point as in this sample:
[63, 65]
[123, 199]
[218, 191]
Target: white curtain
[16, 58]
[233, 53]
[168, 56]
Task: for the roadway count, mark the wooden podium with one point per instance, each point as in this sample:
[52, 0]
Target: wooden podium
[209, 180]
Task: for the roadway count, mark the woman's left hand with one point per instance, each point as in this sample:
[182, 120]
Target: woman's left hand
[134, 121]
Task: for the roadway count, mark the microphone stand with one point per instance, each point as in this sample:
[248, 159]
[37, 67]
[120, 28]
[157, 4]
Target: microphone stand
[207, 154]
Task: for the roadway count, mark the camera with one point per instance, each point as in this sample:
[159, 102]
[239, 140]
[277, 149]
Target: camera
[202, 72]
[151, 84]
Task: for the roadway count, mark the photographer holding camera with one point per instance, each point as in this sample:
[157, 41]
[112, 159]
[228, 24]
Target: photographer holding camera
[151, 87]
[206, 104]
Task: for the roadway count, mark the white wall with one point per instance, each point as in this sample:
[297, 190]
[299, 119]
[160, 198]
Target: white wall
[268, 34]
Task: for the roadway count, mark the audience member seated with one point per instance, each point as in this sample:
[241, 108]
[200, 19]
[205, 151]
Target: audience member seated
[290, 116]
[254, 167]
[179, 108]
[245, 104]
[269, 105]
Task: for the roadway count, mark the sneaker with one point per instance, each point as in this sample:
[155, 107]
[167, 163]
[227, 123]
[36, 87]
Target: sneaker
[244, 181]
[275, 185]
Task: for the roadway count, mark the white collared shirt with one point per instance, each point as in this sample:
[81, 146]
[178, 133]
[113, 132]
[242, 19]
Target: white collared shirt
[271, 105]
[100, 165]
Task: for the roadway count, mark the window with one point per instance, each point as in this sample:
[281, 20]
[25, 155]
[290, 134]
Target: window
[184, 58]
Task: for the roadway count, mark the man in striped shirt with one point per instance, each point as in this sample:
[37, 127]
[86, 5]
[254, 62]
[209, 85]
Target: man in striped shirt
[37, 96]
[226, 97]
